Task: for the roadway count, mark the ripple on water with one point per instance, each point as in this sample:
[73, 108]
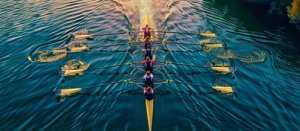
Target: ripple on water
[267, 92]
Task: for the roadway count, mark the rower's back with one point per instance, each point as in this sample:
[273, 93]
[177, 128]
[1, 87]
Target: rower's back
[149, 93]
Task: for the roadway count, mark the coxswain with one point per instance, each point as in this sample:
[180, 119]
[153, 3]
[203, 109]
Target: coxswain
[146, 31]
[149, 93]
[148, 64]
[148, 79]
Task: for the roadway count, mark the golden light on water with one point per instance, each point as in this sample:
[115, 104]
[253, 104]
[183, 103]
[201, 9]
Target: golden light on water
[142, 12]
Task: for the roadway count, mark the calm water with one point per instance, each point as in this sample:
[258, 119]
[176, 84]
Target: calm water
[267, 92]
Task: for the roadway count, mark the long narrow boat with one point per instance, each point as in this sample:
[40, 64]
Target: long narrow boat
[149, 103]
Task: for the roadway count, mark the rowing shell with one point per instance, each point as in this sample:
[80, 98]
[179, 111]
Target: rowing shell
[149, 103]
[149, 109]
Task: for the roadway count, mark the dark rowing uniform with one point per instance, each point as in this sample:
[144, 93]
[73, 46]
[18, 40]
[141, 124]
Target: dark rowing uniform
[148, 66]
[149, 95]
[148, 52]
[148, 80]
[146, 44]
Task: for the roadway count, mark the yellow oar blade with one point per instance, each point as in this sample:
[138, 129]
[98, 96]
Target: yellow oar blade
[74, 67]
[69, 92]
[73, 72]
[209, 47]
[81, 37]
[149, 109]
[77, 46]
[221, 69]
[223, 89]
[208, 35]
[82, 34]
[205, 41]
[214, 45]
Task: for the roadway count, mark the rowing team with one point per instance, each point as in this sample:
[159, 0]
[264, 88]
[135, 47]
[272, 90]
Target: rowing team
[148, 64]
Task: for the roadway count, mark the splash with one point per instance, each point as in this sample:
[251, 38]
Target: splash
[142, 12]
[294, 10]
[254, 57]
[225, 55]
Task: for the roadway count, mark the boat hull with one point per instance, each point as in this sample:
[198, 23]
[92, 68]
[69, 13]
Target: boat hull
[149, 110]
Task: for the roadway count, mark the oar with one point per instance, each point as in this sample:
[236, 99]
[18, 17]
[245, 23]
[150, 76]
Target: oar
[112, 66]
[71, 91]
[107, 73]
[173, 32]
[111, 34]
[167, 50]
[68, 92]
[109, 51]
[181, 64]
[219, 88]
[108, 45]
[182, 44]
[204, 34]
[101, 67]
[223, 89]
[176, 32]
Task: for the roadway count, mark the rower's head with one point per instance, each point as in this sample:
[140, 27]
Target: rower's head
[148, 46]
[147, 39]
[148, 89]
[147, 58]
[148, 73]
[146, 25]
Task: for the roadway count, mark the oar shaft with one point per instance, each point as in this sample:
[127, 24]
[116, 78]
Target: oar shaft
[102, 85]
[105, 67]
[108, 45]
[110, 34]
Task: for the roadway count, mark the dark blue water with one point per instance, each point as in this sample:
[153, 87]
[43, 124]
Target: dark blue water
[267, 92]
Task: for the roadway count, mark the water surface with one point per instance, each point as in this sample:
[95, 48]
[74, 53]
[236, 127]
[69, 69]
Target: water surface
[267, 92]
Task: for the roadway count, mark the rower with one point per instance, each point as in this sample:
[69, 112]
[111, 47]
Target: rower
[147, 41]
[148, 79]
[148, 64]
[146, 31]
[149, 93]
[148, 52]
